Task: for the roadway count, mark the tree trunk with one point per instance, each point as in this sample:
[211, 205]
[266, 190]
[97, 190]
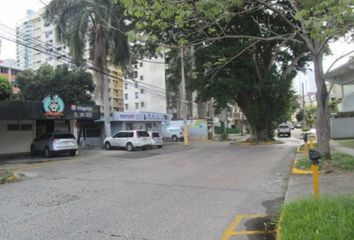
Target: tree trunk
[322, 117]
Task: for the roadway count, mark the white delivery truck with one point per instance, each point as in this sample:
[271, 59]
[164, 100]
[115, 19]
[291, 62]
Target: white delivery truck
[175, 133]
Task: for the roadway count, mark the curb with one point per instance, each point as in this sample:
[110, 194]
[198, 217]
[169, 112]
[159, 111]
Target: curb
[299, 171]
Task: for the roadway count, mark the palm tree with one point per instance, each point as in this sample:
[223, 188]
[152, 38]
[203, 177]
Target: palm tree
[98, 26]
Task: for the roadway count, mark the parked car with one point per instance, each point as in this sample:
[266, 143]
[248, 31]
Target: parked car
[129, 139]
[156, 139]
[284, 129]
[174, 133]
[55, 142]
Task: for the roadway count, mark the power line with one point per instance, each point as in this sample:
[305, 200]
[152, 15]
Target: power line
[65, 59]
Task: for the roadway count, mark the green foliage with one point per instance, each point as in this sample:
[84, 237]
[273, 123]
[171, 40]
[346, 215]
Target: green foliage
[300, 115]
[74, 86]
[258, 80]
[5, 88]
[326, 218]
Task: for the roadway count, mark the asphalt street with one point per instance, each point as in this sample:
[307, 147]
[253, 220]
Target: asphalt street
[177, 192]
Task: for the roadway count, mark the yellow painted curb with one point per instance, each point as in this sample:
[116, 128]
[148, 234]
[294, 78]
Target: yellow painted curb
[12, 179]
[298, 171]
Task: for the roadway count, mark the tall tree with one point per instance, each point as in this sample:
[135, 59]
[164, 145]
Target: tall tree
[5, 88]
[97, 25]
[316, 23]
[75, 86]
[259, 78]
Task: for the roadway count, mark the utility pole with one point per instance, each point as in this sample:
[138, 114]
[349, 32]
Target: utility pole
[184, 99]
[303, 107]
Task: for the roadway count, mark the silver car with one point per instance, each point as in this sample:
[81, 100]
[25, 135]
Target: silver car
[51, 143]
[156, 139]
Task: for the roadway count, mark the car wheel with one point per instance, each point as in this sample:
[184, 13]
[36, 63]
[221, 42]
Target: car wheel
[159, 146]
[129, 147]
[289, 134]
[174, 138]
[47, 152]
[33, 152]
[108, 146]
[72, 153]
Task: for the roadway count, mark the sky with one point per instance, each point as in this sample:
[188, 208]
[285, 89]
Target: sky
[12, 11]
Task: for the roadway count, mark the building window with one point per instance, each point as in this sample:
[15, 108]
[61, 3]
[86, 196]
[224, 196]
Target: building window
[141, 64]
[13, 127]
[142, 104]
[136, 95]
[126, 106]
[135, 74]
[141, 90]
[136, 105]
[141, 77]
[126, 96]
[136, 84]
[126, 86]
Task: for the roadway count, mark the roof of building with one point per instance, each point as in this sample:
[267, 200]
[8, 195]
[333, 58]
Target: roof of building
[343, 74]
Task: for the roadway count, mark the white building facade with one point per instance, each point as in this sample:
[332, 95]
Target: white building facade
[34, 32]
[145, 90]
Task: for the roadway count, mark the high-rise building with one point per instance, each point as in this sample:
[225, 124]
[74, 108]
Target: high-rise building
[41, 47]
[145, 89]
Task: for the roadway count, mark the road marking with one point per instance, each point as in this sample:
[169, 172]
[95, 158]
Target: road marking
[232, 229]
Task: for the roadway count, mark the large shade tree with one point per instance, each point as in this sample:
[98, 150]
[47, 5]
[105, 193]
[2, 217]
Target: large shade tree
[74, 86]
[98, 26]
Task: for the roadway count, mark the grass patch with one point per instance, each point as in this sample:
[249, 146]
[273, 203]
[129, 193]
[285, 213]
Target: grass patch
[4, 175]
[327, 218]
[339, 162]
[342, 161]
[346, 143]
[303, 163]
[302, 147]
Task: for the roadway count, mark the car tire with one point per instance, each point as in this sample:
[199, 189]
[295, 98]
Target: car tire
[73, 153]
[47, 152]
[33, 151]
[129, 147]
[108, 146]
[159, 147]
[174, 138]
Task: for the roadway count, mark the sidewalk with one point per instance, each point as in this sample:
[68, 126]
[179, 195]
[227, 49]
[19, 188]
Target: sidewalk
[301, 186]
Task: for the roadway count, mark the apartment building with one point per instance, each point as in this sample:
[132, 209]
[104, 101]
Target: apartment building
[145, 89]
[9, 70]
[36, 33]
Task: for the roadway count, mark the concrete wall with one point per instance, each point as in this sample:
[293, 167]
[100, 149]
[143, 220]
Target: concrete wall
[342, 127]
[15, 141]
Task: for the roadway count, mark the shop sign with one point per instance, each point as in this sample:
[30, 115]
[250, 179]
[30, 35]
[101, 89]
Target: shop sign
[53, 106]
[121, 116]
[82, 111]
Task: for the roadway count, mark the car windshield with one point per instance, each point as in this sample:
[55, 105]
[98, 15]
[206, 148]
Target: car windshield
[155, 134]
[143, 134]
[283, 127]
[63, 136]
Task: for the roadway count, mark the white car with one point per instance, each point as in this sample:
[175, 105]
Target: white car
[156, 139]
[129, 139]
[284, 129]
[56, 142]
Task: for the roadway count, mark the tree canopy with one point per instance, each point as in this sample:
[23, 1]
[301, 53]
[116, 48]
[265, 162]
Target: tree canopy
[74, 86]
[5, 88]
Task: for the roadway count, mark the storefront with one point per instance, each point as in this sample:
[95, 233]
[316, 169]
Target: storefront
[144, 120]
[21, 122]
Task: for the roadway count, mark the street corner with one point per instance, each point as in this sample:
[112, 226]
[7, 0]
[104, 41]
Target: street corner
[251, 226]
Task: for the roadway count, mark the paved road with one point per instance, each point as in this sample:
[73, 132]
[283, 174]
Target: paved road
[178, 192]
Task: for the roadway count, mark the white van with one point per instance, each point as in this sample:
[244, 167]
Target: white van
[174, 133]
